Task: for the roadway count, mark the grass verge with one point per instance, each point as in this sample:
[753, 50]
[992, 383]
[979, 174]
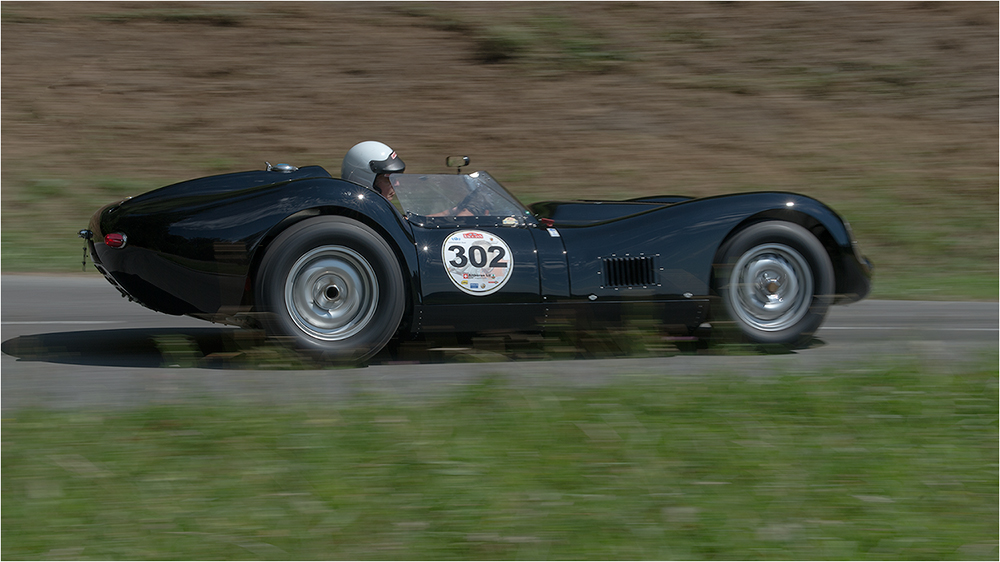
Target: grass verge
[893, 463]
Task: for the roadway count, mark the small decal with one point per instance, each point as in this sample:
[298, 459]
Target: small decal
[510, 221]
[477, 262]
[553, 233]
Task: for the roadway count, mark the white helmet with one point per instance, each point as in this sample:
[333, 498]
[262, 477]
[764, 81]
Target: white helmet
[367, 159]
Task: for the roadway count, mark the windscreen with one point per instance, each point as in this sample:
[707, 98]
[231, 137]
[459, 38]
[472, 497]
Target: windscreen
[447, 195]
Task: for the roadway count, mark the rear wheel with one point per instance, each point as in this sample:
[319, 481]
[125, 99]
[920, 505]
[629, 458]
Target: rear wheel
[776, 283]
[331, 286]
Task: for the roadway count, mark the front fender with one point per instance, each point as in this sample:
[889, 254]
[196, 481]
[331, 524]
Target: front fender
[685, 237]
[853, 271]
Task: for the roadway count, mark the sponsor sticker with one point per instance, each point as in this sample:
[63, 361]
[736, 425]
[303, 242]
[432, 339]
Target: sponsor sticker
[553, 233]
[477, 262]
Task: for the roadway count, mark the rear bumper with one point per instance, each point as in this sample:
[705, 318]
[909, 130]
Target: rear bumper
[159, 280]
[97, 250]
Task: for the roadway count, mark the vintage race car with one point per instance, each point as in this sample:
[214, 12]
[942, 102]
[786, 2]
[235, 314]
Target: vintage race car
[333, 267]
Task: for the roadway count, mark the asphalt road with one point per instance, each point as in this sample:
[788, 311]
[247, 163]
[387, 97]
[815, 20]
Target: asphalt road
[71, 341]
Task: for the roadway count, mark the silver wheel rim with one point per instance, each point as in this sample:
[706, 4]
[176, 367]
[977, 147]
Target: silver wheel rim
[331, 293]
[771, 287]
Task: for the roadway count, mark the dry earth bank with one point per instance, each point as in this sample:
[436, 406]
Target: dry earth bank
[886, 111]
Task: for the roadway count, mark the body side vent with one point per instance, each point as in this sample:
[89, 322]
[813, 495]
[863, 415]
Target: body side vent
[630, 271]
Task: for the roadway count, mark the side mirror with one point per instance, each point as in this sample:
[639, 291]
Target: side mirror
[457, 162]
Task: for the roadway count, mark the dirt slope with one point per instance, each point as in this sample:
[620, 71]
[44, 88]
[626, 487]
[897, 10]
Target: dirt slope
[626, 91]
[866, 105]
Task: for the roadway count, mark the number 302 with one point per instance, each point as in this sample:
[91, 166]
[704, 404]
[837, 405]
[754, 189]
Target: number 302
[477, 256]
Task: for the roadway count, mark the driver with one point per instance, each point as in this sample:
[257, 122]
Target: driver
[369, 163]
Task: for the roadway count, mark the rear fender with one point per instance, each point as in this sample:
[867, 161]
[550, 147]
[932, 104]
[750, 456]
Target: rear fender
[380, 216]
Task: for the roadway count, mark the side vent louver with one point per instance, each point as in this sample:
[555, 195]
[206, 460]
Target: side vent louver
[630, 272]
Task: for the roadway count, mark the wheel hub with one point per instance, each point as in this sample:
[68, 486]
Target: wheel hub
[327, 293]
[771, 286]
[331, 293]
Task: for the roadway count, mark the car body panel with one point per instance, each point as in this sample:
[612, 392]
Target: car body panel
[193, 248]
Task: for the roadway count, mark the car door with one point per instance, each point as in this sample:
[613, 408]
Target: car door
[476, 254]
[476, 277]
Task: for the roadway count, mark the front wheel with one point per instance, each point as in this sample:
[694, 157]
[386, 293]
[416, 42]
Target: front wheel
[331, 286]
[776, 282]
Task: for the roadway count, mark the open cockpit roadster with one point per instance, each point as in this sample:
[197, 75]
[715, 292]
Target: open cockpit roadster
[337, 269]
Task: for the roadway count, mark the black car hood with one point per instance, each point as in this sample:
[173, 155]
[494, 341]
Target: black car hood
[584, 213]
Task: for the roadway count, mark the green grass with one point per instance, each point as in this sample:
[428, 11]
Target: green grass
[890, 463]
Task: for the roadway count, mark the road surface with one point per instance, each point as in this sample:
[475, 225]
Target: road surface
[72, 341]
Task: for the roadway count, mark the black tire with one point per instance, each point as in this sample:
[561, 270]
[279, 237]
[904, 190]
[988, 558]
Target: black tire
[776, 282]
[333, 287]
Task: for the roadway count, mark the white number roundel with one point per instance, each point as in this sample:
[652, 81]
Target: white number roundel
[477, 262]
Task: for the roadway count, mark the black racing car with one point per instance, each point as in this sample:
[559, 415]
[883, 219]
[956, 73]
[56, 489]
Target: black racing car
[333, 267]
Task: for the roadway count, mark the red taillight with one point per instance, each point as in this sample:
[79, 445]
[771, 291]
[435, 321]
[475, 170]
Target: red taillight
[115, 240]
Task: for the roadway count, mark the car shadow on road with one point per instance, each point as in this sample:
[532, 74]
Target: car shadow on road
[242, 349]
[133, 347]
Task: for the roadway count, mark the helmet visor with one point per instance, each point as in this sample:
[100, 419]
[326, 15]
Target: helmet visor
[391, 165]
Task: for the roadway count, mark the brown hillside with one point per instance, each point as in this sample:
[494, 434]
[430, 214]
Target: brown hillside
[642, 96]
[864, 105]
